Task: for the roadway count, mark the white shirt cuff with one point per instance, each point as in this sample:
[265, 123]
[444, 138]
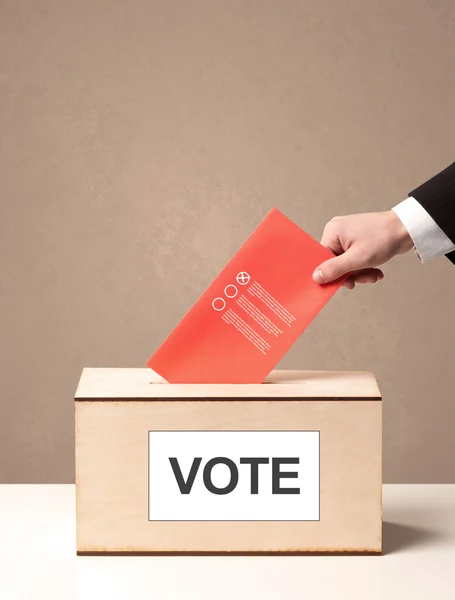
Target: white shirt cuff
[429, 239]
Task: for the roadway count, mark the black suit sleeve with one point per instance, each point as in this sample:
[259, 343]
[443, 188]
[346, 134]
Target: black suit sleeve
[437, 196]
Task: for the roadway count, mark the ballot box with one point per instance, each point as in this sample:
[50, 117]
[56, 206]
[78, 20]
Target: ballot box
[291, 465]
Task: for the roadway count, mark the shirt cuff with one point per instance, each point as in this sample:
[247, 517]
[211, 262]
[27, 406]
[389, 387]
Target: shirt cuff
[429, 239]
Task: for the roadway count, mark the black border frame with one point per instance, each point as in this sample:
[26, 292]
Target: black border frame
[232, 520]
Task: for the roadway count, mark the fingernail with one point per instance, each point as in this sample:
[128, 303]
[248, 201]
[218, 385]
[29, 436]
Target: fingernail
[318, 276]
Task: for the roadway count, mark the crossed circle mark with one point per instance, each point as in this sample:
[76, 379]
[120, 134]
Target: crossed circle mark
[243, 278]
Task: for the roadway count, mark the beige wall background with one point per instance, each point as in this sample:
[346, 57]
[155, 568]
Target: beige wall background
[142, 141]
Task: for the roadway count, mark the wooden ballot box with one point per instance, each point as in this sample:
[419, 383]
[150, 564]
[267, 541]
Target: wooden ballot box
[292, 465]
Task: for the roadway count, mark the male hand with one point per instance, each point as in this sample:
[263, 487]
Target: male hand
[361, 243]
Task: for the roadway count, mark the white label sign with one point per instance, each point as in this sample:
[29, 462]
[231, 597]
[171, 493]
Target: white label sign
[234, 476]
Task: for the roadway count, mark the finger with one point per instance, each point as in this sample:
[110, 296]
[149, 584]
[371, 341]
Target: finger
[367, 276]
[349, 283]
[331, 241]
[336, 267]
[365, 279]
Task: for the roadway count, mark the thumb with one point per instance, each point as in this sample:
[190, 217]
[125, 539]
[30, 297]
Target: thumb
[334, 268]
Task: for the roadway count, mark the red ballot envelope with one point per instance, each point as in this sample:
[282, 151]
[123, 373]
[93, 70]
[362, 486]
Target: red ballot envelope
[253, 311]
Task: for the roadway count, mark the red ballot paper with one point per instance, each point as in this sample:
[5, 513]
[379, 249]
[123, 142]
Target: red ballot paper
[252, 313]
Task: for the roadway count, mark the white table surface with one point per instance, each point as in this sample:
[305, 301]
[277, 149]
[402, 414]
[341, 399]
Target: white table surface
[38, 557]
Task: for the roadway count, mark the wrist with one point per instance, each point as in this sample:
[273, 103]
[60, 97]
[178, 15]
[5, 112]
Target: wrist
[400, 234]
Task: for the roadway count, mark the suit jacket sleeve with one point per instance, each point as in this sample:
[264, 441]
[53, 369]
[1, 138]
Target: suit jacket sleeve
[437, 196]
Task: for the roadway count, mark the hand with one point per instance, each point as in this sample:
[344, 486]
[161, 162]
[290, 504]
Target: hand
[361, 243]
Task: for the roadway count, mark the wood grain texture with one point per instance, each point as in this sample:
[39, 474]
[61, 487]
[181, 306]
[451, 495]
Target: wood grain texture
[118, 383]
[112, 490]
